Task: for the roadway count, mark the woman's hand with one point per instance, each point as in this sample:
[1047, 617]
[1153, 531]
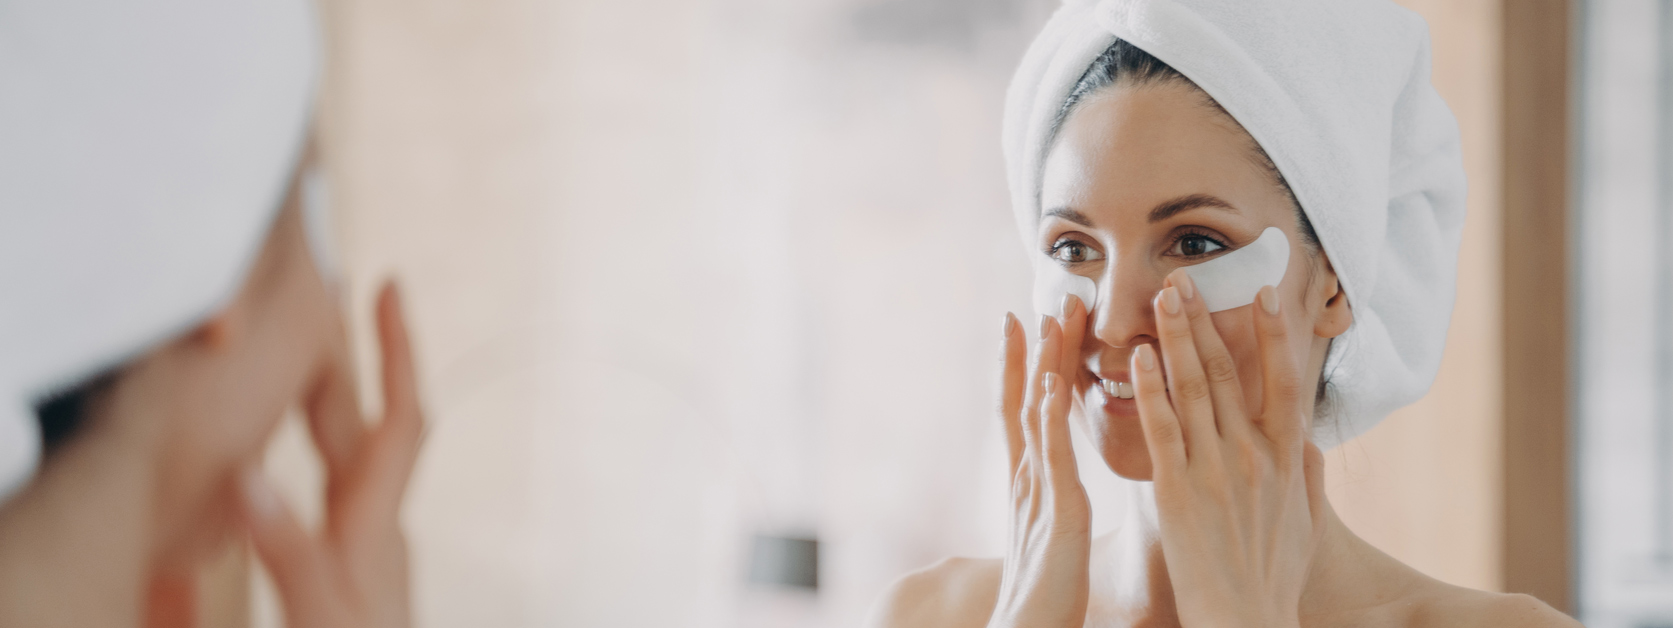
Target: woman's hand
[354, 572]
[1045, 578]
[1239, 489]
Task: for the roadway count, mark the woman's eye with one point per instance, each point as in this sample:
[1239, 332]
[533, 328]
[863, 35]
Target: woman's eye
[1072, 252]
[1196, 245]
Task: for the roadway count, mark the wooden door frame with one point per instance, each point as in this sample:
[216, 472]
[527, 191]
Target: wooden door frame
[1537, 541]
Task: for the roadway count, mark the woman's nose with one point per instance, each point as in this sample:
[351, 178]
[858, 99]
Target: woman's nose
[1123, 317]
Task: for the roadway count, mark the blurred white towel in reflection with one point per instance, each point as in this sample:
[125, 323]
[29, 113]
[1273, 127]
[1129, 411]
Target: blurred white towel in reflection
[1338, 94]
[145, 148]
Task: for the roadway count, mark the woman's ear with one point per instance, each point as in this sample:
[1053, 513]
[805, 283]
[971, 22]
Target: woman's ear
[1335, 316]
[216, 333]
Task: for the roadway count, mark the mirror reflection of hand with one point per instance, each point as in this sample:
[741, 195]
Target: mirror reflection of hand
[352, 572]
[1239, 490]
[1045, 580]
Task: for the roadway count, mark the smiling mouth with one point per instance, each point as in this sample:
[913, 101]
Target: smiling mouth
[1118, 390]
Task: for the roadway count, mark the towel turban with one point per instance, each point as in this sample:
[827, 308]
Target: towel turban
[145, 149]
[1337, 93]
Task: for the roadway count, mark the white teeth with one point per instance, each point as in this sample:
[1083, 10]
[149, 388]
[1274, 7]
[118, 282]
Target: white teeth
[1119, 390]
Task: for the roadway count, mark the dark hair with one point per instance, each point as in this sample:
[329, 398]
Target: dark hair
[66, 412]
[1125, 64]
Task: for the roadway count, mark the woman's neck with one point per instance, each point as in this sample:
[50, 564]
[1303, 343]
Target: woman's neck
[1130, 584]
[75, 543]
[1131, 587]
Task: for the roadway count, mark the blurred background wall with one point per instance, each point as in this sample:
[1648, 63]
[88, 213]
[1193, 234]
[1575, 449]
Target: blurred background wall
[1624, 349]
[689, 274]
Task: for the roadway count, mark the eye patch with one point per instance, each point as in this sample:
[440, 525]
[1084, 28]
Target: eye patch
[1233, 279]
[1225, 282]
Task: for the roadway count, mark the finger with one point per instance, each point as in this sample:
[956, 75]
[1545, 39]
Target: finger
[1013, 375]
[1163, 435]
[1186, 384]
[1218, 367]
[294, 560]
[1074, 328]
[171, 600]
[1056, 444]
[1045, 350]
[400, 382]
[1282, 395]
[335, 421]
[394, 446]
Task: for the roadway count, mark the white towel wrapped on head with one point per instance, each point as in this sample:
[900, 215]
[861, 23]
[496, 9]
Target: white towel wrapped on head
[1337, 93]
[145, 148]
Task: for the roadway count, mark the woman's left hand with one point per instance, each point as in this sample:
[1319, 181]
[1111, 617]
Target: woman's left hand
[1239, 489]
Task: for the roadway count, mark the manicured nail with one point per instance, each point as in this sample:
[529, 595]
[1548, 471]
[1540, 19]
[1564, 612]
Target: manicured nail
[1008, 325]
[1046, 325]
[1146, 358]
[1069, 302]
[1187, 288]
[259, 494]
[1170, 300]
[1269, 299]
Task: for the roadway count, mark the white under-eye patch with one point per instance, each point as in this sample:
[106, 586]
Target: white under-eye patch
[1233, 280]
[1052, 282]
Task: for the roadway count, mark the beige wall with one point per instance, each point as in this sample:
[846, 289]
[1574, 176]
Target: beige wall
[1425, 485]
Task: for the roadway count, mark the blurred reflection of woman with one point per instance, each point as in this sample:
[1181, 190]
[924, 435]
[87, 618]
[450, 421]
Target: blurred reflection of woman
[1147, 137]
[163, 305]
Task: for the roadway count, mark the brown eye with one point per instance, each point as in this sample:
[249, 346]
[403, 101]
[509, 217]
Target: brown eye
[1073, 252]
[1196, 245]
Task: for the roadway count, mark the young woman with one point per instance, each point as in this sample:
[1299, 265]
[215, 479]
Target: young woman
[1146, 139]
[165, 304]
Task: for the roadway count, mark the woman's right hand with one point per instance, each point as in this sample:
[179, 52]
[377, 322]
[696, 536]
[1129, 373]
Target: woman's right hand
[354, 571]
[1045, 578]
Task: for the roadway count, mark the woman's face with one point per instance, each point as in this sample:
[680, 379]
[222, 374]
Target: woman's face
[1144, 180]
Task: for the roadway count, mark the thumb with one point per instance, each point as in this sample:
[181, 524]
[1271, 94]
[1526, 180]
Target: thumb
[171, 601]
[1312, 462]
[294, 559]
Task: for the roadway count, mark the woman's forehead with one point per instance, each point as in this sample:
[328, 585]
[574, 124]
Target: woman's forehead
[1133, 149]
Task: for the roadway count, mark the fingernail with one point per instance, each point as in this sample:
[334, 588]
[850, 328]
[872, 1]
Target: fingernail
[1269, 299]
[1170, 300]
[259, 494]
[1008, 325]
[1045, 325]
[1050, 382]
[1187, 288]
[1146, 358]
[1069, 302]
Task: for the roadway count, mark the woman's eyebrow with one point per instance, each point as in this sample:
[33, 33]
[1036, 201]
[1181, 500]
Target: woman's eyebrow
[1169, 208]
[1071, 215]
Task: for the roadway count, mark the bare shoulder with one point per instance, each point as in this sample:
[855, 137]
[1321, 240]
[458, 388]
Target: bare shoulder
[953, 593]
[1458, 607]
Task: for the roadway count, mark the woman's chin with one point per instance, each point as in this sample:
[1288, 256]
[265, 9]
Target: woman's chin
[1113, 426]
[1128, 458]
